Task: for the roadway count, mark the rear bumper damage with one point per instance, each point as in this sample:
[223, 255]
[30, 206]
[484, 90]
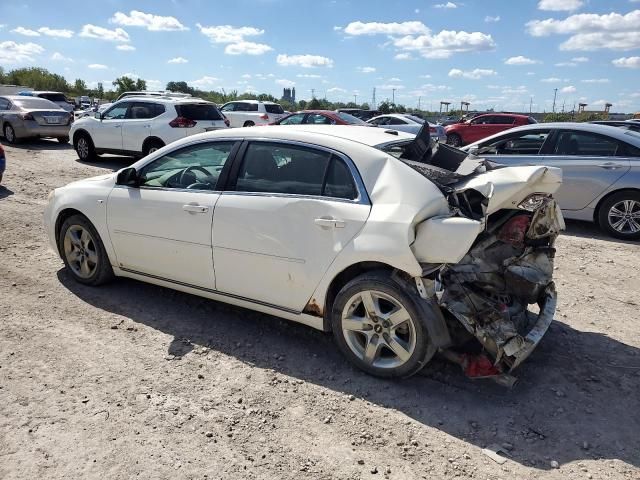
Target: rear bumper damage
[502, 291]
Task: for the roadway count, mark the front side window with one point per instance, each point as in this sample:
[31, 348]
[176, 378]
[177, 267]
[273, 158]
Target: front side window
[4, 104]
[117, 112]
[293, 119]
[484, 120]
[195, 167]
[527, 143]
[502, 120]
[380, 121]
[289, 169]
[229, 107]
[585, 144]
[319, 119]
[396, 121]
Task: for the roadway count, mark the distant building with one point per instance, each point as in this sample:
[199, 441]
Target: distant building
[289, 95]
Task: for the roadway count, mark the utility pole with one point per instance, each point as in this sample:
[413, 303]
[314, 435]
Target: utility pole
[555, 93]
[530, 104]
[563, 105]
[355, 99]
[313, 93]
[393, 96]
[419, 98]
[374, 99]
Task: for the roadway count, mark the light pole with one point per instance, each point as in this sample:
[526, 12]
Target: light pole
[555, 93]
[355, 99]
[393, 96]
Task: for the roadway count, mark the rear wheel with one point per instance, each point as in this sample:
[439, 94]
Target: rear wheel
[619, 215]
[248, 123]
[454, 140]
[83, 252]
[84, 147]
[151, 146]
[379, 326]
[9, 133]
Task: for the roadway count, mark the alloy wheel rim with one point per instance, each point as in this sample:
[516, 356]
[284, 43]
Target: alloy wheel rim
[624, 216]
[378, 329]
[8, 133]
[80, 251]
[153, 149]
[83, 148]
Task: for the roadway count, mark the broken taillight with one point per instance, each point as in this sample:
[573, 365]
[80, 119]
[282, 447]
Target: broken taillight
[264, 116]
[515, 230]
[26, 116]
[182, 122]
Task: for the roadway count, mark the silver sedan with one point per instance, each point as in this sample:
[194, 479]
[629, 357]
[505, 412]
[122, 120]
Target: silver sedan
[600, 169]
[404, 122]
[33, 117]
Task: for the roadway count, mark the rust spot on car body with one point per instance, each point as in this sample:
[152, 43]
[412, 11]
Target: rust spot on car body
[312, 308]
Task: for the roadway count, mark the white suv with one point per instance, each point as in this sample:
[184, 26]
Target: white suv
[247, 113]
[140, 125]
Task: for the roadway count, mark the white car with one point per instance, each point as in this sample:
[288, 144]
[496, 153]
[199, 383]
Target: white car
[403, 122]
[141, 125]
[247, 113]
[333, 227]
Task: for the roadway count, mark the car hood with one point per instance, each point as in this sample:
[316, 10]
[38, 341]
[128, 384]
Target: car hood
[105, 180]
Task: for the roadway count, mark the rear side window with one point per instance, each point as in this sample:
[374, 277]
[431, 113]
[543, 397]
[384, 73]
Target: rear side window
[350, 119]
[4, 104]
[531, 120]
[396, 121]
[502, 120]
[318, 119]
[273, 108]
[198, 111]
[246, 107]
[339, 182]
[584, 143]
[142, 110]
[527, 143]
[293, 119]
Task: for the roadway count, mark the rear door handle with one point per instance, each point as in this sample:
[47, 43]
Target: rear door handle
[195, 208]
[610, 166]
[117, 126]
[329, 222]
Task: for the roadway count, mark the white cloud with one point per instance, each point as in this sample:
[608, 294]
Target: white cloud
[366, 69]
[247, 48]
[475, 74]
[520, 90]
[12, 52]
[336, 90]
[178, 60]
[568, 89]
[425, 76]
[490, 19]
[627, 62]
[246, 75]
[445, 43]
[403, 56]
[446, 5]
[155, 85]
[590, 31]
[97, 66]
[228, 33]
[552, 80]
[379, 28]
[25, 31]
[520, 60]
[580, 59]
[93, 31]
[390, 86]
[59, 33]
[204, 82]
[560, 5]
[308, 75]
[566, 64]
[58, 57]
[305, 61]
[595, 80]
[337, 28]
[283, 82]
[126, 48]
[154, 23]
[394, 79]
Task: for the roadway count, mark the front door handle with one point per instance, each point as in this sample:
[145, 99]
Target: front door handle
[195, 208]
[610, 166]
[329, 222]
[117, 126]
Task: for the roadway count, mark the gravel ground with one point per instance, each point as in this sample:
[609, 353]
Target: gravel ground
[133, 380]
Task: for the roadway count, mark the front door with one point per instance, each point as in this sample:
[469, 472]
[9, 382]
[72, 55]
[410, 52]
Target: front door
[137, 125]
[107, 133]
[163, 227]
[292, 210]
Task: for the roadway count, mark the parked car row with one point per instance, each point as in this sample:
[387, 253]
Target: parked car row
[33, 117]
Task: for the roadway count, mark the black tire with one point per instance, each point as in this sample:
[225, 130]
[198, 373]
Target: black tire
[151, 146]
[613, 210]
[381, 282]
[454, 140]
[81, 141]
[248, 123]
[102, 272]
[63, 139]
[9, 133]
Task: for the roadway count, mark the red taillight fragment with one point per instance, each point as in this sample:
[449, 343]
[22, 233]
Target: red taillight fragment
[182, 122]
[515, 230]
[26, 116]
[432, 129]
[264, 116]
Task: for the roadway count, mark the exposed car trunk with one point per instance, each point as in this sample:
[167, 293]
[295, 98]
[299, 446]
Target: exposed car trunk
[493, 266]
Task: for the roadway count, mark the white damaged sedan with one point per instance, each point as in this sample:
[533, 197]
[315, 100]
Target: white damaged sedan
[399, 246]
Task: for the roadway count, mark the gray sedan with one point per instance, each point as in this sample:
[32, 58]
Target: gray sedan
[404, 122]
[600, 169]
[33, 117]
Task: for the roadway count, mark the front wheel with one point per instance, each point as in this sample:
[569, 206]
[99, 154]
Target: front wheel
[380, 327]
[619, 215]
[83, 252]
[84, 148]
[248, 124]
[454, 140]
[151, 146]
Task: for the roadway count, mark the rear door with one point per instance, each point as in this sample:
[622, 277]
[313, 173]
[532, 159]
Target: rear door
[291, 209]
[477, 129]
[500, 123]
[590, 164]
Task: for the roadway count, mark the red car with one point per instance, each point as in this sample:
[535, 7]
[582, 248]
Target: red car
[483, 126]
[320, 117]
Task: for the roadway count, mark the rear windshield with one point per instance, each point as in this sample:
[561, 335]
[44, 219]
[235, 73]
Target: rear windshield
[415, 119]
[273, 108]
[198, 111]
[35, 102]
[351, 119]
[54, 97]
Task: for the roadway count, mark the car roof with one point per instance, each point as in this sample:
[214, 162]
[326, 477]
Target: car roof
[161, 99]
[331, 112]
[253, 101]
[519, 115]
[608, 130]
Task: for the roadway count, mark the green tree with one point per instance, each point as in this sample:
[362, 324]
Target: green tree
[302, 104]
[384, 108]
[100, 90]
[38, 79]
[141, 84]
[314, 104]
[181, 87]
[80, 86]
[557, 117]
[124, 84]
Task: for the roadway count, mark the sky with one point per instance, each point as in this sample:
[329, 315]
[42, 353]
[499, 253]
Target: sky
[501, 54]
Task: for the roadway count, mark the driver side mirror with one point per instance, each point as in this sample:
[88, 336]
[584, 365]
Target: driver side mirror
[128, 177]
[98, 115]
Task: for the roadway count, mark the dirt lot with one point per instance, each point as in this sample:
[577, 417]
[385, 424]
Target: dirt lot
[132, 380]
